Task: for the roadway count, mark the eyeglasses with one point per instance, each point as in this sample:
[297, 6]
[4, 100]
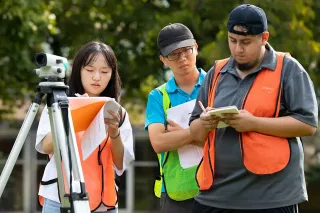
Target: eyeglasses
[175, 56]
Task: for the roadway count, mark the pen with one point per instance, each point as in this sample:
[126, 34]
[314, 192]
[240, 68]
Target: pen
[202, 107]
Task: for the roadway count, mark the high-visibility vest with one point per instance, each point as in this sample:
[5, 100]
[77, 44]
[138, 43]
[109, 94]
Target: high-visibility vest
[180, 183]
[98, 171]
[262, 154]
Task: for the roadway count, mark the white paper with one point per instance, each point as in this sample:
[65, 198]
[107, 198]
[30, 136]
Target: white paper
[96, 131]
[94, 135]
[181, 114]
[189, 155]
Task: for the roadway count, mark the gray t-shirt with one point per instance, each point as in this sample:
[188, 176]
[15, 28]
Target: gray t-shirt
[234, 187]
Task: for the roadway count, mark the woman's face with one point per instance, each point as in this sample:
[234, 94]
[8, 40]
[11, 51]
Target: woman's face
[96, 76]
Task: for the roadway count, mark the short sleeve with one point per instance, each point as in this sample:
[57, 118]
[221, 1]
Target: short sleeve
[154, 110]
[43, 129]
[202, 96]
[127, 140]
[299, 95]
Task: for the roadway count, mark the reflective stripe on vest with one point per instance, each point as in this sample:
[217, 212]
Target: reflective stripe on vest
[262, 154]
[162, 156]
[181, 184]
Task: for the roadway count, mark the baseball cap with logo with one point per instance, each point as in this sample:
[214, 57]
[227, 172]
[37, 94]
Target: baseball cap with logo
[251, 17]
[174, 36]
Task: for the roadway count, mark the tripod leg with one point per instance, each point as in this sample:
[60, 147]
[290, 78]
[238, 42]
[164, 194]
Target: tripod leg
[56, 130]
[78, 193]
[77, 172]
[6, 172]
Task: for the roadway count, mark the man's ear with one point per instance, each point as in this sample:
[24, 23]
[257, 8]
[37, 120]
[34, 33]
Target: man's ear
[196, 48]
[163, 60]
[265, 37]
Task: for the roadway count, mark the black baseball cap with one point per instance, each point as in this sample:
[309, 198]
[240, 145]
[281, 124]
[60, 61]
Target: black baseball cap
[174, 36]
[250, 16]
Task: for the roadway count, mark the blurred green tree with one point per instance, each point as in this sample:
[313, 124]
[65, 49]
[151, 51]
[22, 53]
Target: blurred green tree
[23, 28]
[131, 28]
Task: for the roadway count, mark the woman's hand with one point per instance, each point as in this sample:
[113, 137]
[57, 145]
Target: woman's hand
[117, 147]
[113, 124]
[83, 95]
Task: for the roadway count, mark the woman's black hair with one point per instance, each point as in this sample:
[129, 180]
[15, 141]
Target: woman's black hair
[86, 55]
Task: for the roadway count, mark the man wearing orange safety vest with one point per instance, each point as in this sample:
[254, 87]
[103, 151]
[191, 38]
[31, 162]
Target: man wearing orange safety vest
[256, 163]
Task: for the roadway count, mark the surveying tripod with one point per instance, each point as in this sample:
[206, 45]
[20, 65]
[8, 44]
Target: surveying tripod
[52, 73]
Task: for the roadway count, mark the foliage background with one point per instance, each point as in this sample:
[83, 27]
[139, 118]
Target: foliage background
[131, 27]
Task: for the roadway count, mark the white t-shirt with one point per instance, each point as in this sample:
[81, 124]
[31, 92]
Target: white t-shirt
[50, 172]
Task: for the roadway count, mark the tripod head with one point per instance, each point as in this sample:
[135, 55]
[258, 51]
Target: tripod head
[52, 73]
[52, 67]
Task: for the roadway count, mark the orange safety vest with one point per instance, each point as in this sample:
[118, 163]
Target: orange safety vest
[262, 154]
[98, 172]
[98, 175]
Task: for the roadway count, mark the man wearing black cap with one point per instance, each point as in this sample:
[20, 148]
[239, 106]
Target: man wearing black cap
[175, 184]
[256, 163]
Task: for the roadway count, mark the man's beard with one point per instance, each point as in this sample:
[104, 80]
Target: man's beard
[244, 67]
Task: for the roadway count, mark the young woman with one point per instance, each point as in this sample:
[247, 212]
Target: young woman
[94, 73]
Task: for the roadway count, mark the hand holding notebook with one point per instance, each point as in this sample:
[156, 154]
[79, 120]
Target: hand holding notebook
[221, 110]
[110, 105]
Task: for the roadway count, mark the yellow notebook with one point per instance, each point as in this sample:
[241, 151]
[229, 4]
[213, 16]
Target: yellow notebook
[219, 111]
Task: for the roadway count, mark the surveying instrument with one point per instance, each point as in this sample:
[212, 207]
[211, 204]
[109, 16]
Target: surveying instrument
[52, 73]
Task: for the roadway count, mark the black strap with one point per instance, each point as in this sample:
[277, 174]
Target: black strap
[64, 111]
[122, 114]
[55, 180]
[117, 180]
